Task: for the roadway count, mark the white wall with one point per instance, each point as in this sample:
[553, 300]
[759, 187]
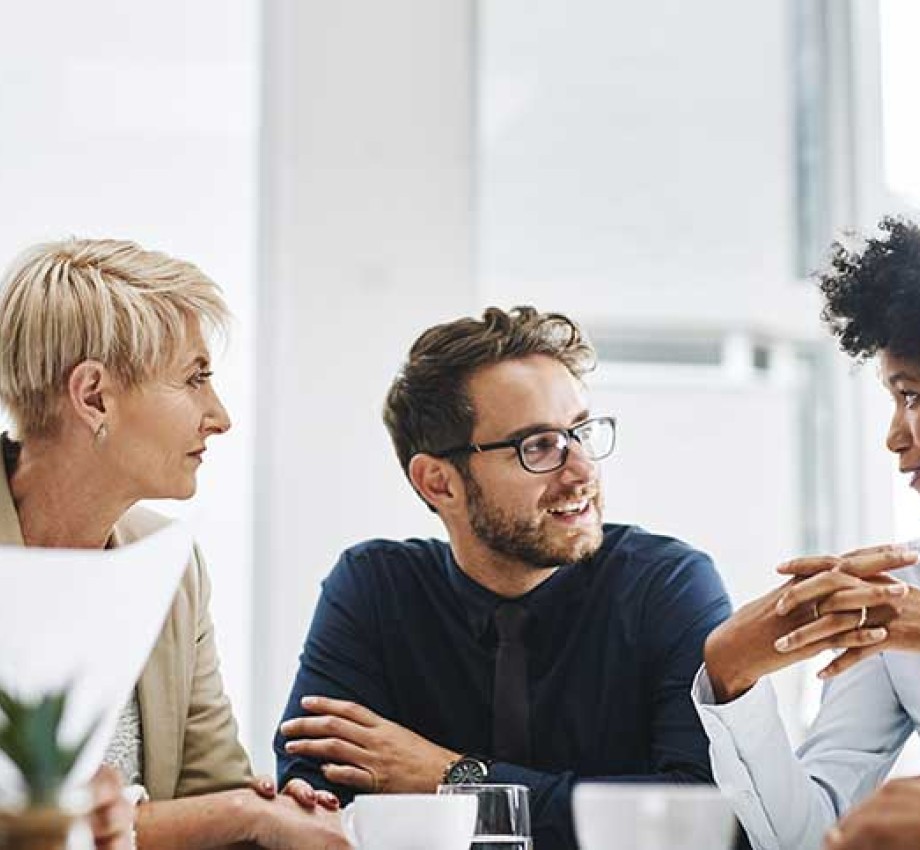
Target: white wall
[637, 162]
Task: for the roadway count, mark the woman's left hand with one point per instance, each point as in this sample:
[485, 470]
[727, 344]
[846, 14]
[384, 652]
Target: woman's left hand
[857, 589]
[903, 633]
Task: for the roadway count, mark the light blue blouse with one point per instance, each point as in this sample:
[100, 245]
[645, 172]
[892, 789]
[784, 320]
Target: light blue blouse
[788, 800]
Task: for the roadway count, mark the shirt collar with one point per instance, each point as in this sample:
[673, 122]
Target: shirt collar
[480, 603]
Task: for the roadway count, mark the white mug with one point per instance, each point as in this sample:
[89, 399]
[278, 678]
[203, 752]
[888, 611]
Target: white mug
[410, 822]
[614, 816]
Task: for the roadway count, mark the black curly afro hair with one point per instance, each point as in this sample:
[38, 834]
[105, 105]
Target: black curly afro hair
[872, 297]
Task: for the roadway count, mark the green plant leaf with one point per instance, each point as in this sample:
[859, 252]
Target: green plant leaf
[30, 737]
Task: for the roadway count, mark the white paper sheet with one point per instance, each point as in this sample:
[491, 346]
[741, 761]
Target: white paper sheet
[88, 618]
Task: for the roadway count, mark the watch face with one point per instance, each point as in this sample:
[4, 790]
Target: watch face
[467, 770]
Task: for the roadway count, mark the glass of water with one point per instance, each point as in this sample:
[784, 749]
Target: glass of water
[503, 816]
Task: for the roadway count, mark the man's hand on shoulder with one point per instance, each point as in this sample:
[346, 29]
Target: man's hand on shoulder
[362, 750]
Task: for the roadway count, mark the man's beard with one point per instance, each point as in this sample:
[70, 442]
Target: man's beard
[526, 540]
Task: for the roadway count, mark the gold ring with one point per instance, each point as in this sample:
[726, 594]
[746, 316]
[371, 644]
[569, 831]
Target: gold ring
[863, 616]
[375, 782]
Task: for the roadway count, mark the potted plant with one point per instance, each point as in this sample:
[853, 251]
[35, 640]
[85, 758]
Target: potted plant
[30, 738]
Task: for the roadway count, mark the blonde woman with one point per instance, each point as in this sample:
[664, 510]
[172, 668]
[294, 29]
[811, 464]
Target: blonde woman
[105, 372]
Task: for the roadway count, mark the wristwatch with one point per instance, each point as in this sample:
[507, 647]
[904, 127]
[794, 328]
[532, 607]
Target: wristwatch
[467, 770]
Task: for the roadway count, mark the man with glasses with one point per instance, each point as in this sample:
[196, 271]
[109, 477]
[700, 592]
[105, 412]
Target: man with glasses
[539, 646]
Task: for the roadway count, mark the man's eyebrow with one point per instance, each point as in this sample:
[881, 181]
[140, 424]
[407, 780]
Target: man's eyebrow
[527, 430]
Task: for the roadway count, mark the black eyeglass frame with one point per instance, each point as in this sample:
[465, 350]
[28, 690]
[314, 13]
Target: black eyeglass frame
[515, 443]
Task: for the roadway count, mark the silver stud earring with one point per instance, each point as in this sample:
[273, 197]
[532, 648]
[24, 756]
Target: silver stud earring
[101, 433]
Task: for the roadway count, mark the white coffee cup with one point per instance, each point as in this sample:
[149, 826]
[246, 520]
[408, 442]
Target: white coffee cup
[410, 822]
[612, 816]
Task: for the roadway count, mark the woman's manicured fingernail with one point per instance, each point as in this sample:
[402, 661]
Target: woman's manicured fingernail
[782, 644]
[306, 702]
[877, 634]
[897, 590]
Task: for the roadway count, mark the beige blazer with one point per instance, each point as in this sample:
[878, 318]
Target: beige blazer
[190, 739]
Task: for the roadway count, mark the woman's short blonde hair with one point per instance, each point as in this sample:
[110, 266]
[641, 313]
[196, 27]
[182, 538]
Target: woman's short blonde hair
[93, 299]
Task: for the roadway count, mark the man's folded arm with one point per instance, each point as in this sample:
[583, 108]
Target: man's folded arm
[339, 660]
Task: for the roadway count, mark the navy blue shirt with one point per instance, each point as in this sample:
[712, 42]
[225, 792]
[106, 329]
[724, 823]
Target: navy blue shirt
[613, 644]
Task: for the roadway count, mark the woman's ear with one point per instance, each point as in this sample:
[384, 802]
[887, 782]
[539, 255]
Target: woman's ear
[436, 480]
[88, 392]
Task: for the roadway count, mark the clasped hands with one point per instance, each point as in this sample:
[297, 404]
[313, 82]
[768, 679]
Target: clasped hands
[362, 750]
[845, 602]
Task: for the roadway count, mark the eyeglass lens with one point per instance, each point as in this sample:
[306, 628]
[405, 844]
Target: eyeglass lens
[546, 450]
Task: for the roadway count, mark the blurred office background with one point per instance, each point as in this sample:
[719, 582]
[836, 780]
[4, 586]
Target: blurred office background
[354, 171]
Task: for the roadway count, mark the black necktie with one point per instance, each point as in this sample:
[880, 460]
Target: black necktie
[510, 703]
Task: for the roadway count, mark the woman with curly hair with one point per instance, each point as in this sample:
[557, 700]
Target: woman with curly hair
[852, 603]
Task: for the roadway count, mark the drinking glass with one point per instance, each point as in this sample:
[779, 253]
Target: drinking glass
[502, 815]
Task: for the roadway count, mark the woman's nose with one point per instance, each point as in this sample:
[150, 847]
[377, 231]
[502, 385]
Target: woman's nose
[216, 420]
[899, 438]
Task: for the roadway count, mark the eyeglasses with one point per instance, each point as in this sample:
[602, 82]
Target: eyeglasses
[545, 451]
